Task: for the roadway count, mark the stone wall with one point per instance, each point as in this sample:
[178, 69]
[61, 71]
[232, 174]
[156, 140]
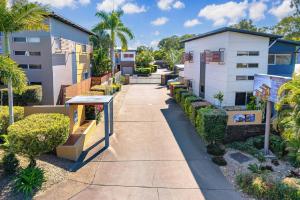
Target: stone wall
[242, 132]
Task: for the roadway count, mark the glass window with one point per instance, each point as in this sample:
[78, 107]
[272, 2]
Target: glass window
[242, 53]
[23, 66]
[57, 43]
[240, 98]
[20, 53]
[19, 39]
[35, 83]
[271, 59]
[34, 53]
[283, 59]
[241, 65]
[33, 40]
[253, 65]
[253, 53]
[240, 78]
[35, 66]
[84, 48]
[250, 77]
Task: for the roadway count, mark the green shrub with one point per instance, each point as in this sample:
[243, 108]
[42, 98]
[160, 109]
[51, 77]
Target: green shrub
[4, 117]
[178, 93]
[10, 163]
[29, 180]
[154, 68]
[211, 124]
[262, 187]
[99, 88]
[143, 71]
[194, 107]
[188, 101]
[184, 96]
[38, 134]
[215, 150]
[219, 160]
[31, 96]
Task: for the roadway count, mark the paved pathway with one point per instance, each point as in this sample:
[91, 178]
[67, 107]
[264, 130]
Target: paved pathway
[155, 154]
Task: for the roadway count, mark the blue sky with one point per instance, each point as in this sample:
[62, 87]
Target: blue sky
[151, 20]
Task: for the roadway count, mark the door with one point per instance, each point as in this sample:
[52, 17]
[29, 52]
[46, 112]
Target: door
[202, 75]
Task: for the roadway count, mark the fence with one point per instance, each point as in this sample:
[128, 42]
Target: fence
[105, 78]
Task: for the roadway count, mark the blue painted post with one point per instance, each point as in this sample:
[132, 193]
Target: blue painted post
[111, 105]
[106, 124]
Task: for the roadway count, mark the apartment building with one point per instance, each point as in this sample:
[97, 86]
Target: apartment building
[53, 59]
[125, 61]
[226, 60]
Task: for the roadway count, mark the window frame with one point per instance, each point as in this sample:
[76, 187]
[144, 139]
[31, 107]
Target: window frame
[14, 39]
[246, 65]
[25, 53]
[32, 68]
[29, 38]
[246, 100]
[247, 53]
[31, 53]
[280, 54]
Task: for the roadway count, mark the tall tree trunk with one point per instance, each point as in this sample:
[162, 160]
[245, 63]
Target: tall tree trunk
[112, 54]
[9, 84]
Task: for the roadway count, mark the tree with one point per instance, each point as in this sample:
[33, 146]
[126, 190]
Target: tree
[296, 4]
[144, 58]
[174, 57]
[101, 62]
[112, 23]
[21, 16]
[159, 54]
[289, 27]
[142, 48]
[245, 24]
[173, 42]
[100, 40]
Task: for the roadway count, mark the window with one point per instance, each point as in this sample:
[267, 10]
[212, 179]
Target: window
[33, 40]
[247, 65]
[57, 43]
[35, 66]
[19, 39]
[35, 83]
[242, 98]
[34, 53]
[248, 53]
[244, 78]
[279, 59]
[83, 48]
[127, 55]
[20, 53]
[23, 66]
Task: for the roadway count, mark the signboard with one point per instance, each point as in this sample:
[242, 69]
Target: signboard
[266, 86]
[214, 56]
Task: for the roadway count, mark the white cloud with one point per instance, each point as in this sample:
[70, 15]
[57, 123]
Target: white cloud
[131, 8]
[257, 10]
[169, 4]
[62, 4]
[227, 13]
[126, 5]
[154, 43]
[179, 5]
[282, 10]
[191, 23]
[160, 21]
[156, 33]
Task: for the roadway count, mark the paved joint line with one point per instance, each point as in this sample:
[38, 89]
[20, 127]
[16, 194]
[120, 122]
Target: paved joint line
[137, 186]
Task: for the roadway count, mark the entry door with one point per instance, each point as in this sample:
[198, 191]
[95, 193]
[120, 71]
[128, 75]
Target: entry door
[202, 75]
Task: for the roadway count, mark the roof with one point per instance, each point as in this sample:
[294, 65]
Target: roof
[68, 22]
[229, 29]
[89, 100]
[297, 43]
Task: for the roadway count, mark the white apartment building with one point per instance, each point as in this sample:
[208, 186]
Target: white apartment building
[226, 60]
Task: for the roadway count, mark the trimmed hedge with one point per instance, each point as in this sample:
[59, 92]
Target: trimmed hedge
[211, 124]
[178, 92]
[184, 96]
[4, 117]
[194, 107]
[188, 101]
[31, 96]
[143, 71]
[153, 68]
[38, 134]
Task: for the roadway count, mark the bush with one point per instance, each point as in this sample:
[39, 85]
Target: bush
[38, 134]
[143, 71]
[219, 160]
[4, 117]
[10, 163]
[215, 150]
[262, 187]
[188, 101]
[154, 68]
[194, 107]
[29, 180]
[211, 124]
[184, 96]
[31, 96]
[178, 92]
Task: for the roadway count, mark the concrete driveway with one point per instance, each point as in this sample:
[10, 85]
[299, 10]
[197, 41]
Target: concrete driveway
[155, 154]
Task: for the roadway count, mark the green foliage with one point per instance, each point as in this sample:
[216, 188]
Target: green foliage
[211, 124]
[154, 68]
[4, 117]
[219, 160]
[38, 134]
[188, 101]
[159, 54]
[294, 151]
[262, 187]
[144, 58]
[29, 180]
[184, 96]
[215, 149]
[220, 97]
[9, 70]
[248, 25]
[143, 71]
[178, 92]
[101, 62]
[100, 40]
[173, 57]
[289, 27]
[252, 104]
[254, 168]
[173, 42]
[10, 163]
[31, 95]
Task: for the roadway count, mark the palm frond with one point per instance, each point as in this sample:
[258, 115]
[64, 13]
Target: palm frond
[103, 16]
[126, 30]
[123, 40]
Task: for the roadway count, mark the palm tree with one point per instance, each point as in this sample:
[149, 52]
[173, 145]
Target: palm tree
[111, 22]
[21, 16]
